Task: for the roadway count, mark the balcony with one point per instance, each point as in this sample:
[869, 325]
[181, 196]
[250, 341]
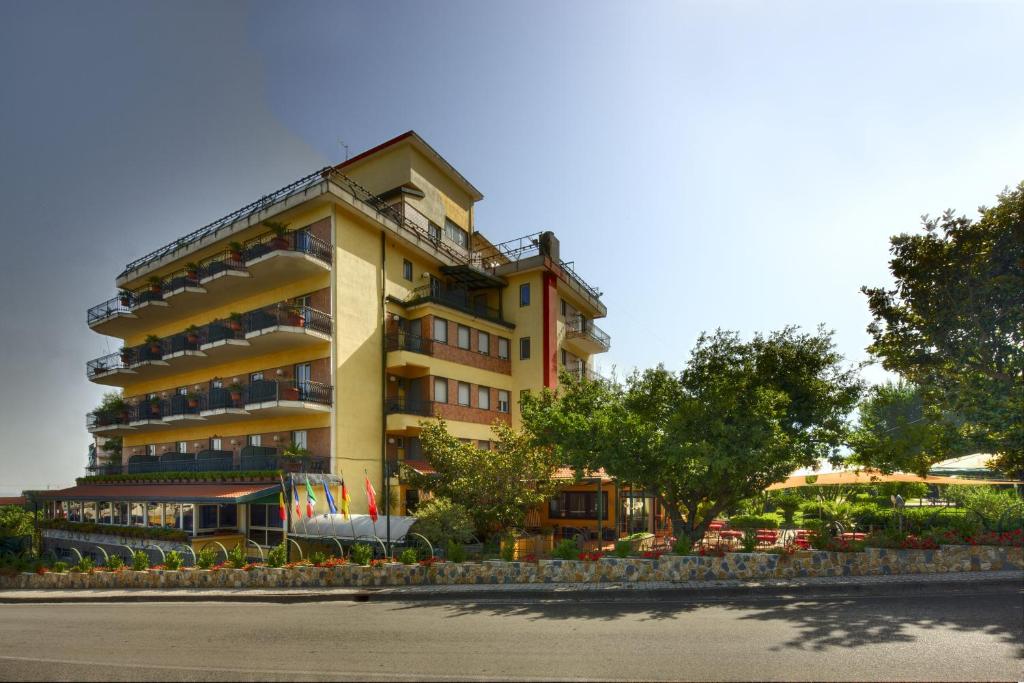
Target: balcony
[463, 300]
[585, 336]
[410, 406]
[400, 346]
[263, 263]
[109, 423]
[251, 459]
[264, 330]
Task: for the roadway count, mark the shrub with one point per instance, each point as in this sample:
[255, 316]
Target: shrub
[408, 556]
[362, 554]
[995, 510]
[236, 557]
[566, 549]
[749, 541]
[173, 561]
[114, 563]
[508, 548]
[768, 521]
[455, 552]
[871, 515]
[277, 556]
[60, 566]
[317, 557]
[85, 565]
[623, 548]
[206, 558]
[788, 503]
[140, 561]
[682, 547]
[441, 521]
[906, 489]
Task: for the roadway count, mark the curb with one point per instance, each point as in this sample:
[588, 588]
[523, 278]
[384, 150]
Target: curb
[692, 591]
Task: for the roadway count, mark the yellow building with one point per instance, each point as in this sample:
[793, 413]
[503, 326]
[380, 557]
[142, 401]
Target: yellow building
[315, 328]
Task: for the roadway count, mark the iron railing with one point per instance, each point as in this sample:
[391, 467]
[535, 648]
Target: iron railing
[297, 240]
[103, 418]
[579, 326]
[287, 315]
[409, 406]
[267, 390]
[148, 410]
[406, 341]
[457, 298]
[104, 364]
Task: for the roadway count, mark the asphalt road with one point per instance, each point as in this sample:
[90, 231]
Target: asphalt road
[885, 633]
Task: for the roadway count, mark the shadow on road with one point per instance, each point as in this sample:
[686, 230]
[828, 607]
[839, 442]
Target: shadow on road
[822, 621]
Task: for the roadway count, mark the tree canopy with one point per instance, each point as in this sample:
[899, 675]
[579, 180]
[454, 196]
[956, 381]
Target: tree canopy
[954, 322]
[738, 417]
[497, 487]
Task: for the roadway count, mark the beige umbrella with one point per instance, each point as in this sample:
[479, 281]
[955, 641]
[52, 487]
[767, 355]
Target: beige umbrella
[849, 477]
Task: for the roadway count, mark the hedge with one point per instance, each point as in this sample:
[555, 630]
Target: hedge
[158, 533]
[176, 476]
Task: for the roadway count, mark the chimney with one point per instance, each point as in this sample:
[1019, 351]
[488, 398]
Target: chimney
[549, 245]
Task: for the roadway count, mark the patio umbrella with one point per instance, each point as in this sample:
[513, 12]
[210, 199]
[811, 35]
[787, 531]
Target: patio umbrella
[849, 477]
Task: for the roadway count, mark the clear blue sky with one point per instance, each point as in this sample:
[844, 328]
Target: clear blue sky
[737, 165]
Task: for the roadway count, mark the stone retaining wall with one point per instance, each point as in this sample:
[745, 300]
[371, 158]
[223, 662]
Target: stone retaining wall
[873, 561]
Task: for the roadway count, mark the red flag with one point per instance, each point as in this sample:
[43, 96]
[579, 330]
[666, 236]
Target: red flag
[371, 499]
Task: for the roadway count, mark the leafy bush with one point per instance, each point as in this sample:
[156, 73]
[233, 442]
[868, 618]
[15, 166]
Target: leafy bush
[749, 541]
[623, 548]
[114, 563]
[994, 509]
[768, 521]
[206, 558]
[60, 566]
[441, 521]
[907, 490]
[237, 557]
[277, 555]
[140, 561]
[85, 565]
[317, 557]
[566, 549]
[788, 503]
[455, 552]
[508, 548]
[871, 515]
[683, 547]
[172, 560]
[408, 556]
[362, 554]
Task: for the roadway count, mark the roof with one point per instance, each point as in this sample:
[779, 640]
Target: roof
[872, 477]
[976, 461]
[174, 493]
[414, 138]
[570, 473]
[15, 500]
[420, 466]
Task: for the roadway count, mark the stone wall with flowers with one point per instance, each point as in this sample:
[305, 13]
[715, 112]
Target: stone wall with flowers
[748, 566]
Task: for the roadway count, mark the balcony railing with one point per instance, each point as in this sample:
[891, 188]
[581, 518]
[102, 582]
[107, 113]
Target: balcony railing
[221, 461]
[287, 315]
[459, 299]
[267, 390]
[405, 341]
[298, 240]
[580, 327]
[409, 406]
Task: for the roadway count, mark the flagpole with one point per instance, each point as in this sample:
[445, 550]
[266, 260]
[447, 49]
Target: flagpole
[288, 521]
[344, 506]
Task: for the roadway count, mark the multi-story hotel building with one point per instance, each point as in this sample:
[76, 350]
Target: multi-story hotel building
[315, 329]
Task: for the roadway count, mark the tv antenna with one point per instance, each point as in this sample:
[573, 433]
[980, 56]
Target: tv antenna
[342, 143]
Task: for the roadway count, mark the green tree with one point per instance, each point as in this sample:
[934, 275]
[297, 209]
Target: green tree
[898, 430]
[740, 416]
[496, 487]
[15, 521]
[441, 521]
[954, 322]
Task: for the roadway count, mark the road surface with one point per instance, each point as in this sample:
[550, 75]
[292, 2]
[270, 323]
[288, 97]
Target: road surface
[882, 633]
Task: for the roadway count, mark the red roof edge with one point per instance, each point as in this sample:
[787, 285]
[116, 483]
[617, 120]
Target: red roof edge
[374, 150]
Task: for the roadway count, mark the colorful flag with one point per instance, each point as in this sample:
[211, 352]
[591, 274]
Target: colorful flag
[295, 498]
[282, 509]
[330, 499]
[344, 498]
[310, 499]
[371, 499]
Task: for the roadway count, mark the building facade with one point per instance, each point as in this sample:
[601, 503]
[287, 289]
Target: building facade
[315, 328]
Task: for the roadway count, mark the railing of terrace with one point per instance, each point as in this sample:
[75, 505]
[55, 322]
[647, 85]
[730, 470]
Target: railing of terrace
[409, 406]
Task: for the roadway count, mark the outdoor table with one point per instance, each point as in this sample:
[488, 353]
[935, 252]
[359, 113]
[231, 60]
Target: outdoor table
[853, 536]
[732, 533]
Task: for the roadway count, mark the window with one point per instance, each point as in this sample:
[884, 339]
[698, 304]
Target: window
[524, 348]
[483, 445]
[524, 294]
[207, 517]
[215, 444]
[407, 269]
[300, 438]
[561, 303]
[434, 231]
[183, 447]
[256, 377]
[483, 398]
[187, 515]
[577, 505]
[502, 401]
[455, 233]
[216, 384]
[182, 391]
[565, 357]
[463, 332]
[463, 394]
[484, 343]
[440, 390]
[265, 525]
[502, 348]
[255, 440]
[151, 449]
[441, 330]
[303, 373]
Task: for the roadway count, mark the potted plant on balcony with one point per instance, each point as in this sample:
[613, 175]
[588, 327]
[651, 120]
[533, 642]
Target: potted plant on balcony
[235, 250]
[156, 285]
[295, 317]
[294, 457]
[192, 271]
[288, 391]
[192, 400]
[280, 230]
[192, 334]
[235, 321]
[235, 390]
[154, 407]
[127, 355]
[125, 297]
[154, 344]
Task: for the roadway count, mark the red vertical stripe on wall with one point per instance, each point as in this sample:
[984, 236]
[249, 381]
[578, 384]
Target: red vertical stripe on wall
[550, 313]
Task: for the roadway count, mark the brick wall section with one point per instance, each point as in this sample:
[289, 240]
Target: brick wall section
[321, 229]
[321, 300]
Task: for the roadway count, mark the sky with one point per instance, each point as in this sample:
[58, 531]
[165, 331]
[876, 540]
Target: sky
[736, 165]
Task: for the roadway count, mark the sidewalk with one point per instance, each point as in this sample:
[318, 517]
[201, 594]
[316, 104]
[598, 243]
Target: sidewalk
[691, 589]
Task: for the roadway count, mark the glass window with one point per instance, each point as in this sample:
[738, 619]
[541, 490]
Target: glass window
[434, 231]
[502, 348]
[484, 445]
[524, 348]
[455, 233]
[172, 515]
[207, 517]
[463, 337]
[228, 516]
[255, 439]
[561, 303]
[524, 294]
[155, 514]
[407, 269]
[440, 390]
[104, 513]
[577, 505]
[183, 446]
[484, 343]
[257, 515]
[300, 438]
[75, 511]
[463, 394]
[187, 511]
[256, 377]
[89, 512]
[215, 444]
[151, 449]
[502, 401]
[121, 513]
[138, 514]
[483, 398]
[441, 330]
